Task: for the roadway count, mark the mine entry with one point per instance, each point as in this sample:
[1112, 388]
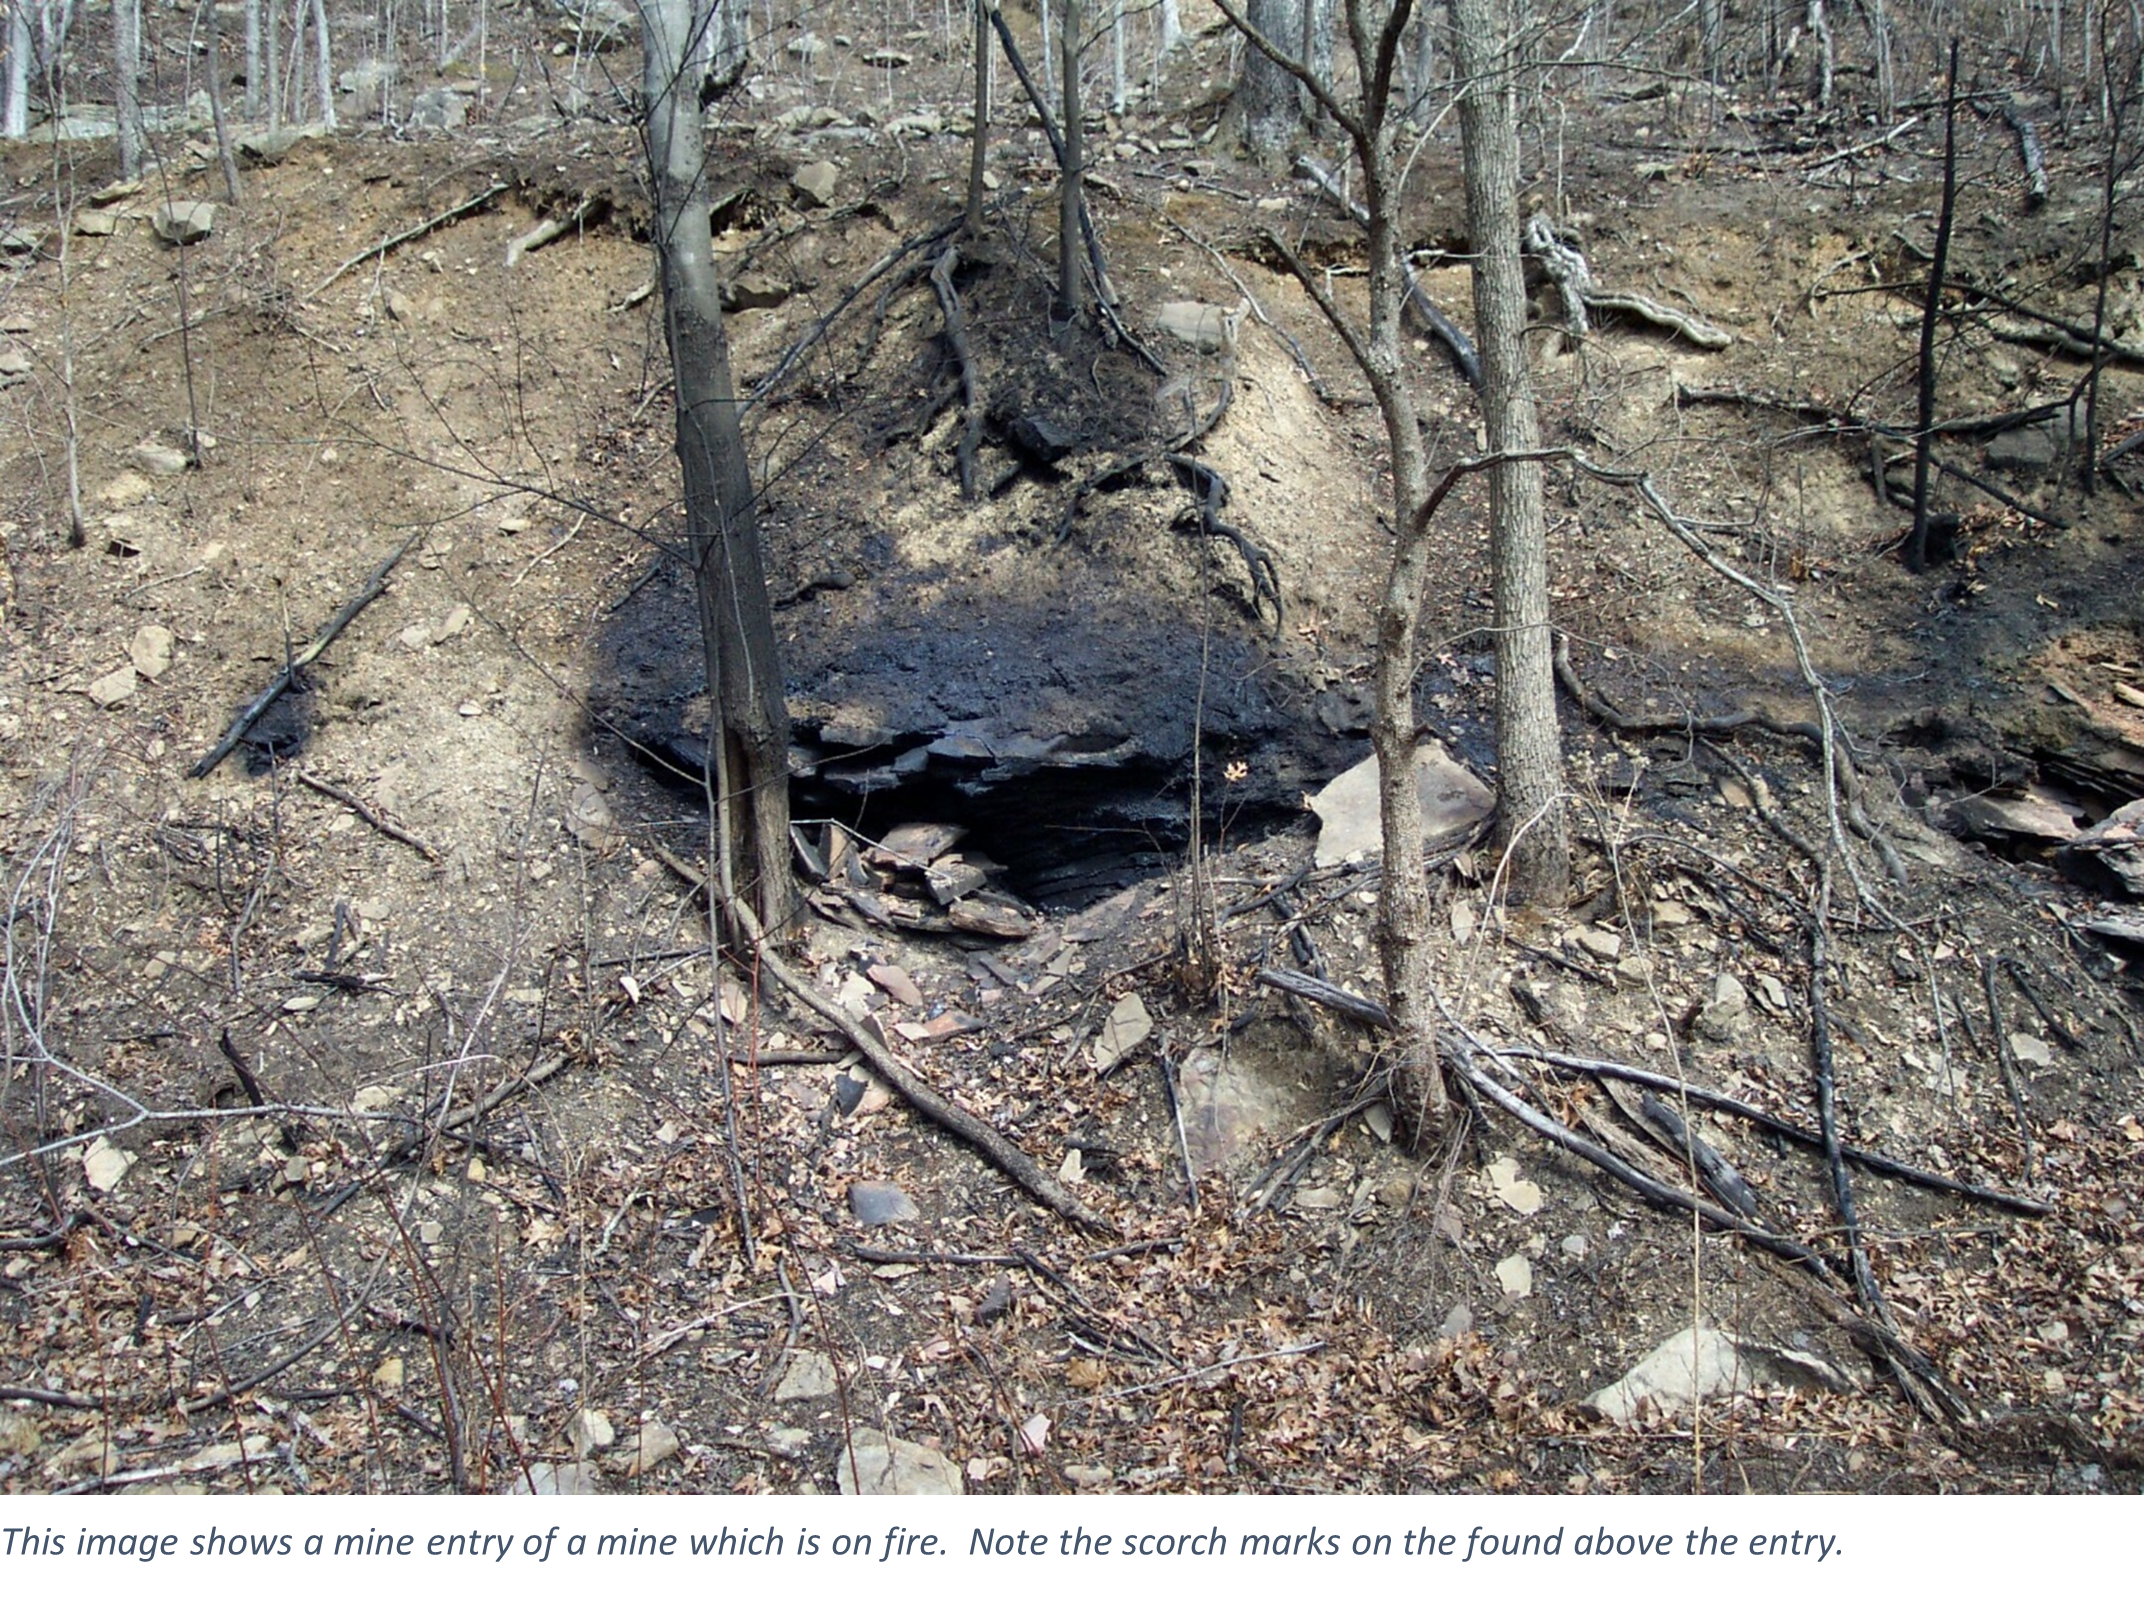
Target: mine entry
[966, 845]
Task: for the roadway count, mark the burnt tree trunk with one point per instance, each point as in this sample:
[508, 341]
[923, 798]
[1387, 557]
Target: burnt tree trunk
[749, 750]
[1529, 743]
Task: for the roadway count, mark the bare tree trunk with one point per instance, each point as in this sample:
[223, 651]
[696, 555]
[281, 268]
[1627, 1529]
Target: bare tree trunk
[1267, 115]
[979, 147]
[224, 154]
[1069, 299]
[15, 110]
[1119, 81]
[272, 82]
[1529, 743]
[126, 83]
[749, 750]
[1917, 548]
[1819, 25]
[323, 67]
[253, 60]
[1317, 53]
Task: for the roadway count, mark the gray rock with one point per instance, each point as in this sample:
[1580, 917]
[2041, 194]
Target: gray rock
[875, 1463]
[881, 1203]
[1453, 801]
[151, 650]
[1725, 1010]
[1205, 326]
[1701, 1363]
[2035, 446]
[439, 109]
[185, 223]
[788, 1442]
[2110, 854]
[265, 149]
[160, 459]
[810, 1376]
[649, 1445]
[567, 1477]
[754, 290]
[95, 222]
[588, 1431]
[815, 183]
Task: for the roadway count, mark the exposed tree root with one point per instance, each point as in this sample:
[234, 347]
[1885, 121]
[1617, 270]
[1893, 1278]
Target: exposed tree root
[818, 328]
[1460, 1051]
[1566, 266]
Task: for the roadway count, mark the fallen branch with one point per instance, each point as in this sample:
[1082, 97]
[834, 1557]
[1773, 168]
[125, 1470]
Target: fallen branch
[956, 337]
[932, 1104]
[818, 328]
[1876, 1334]
[2029, 151]
[2005, 1061]
[321, 786]
[1364, 1011]
[913, 1089]
[550, 229]
[375, 585]
[416, 232]
[1434, 319]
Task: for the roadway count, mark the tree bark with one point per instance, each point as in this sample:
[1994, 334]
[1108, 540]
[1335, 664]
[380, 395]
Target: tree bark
[224, 156]
[126, 84]
[1265, 109]
[979, 133]
[253, 60]
[323, 64]
[1529, 743]
[749, 750]
[15, 110]
[1069, 300]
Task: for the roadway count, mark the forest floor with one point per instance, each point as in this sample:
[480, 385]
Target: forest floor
[489, 1230]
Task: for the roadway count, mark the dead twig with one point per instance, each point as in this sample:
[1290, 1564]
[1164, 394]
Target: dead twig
[372, 817]
[1434, 319]
[956, 338]
[374, 586]
[2005, 1062]
[415, 232]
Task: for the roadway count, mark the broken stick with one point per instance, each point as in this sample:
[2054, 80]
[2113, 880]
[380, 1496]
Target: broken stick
[416, 232]
[956, 337]
[375, 585]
